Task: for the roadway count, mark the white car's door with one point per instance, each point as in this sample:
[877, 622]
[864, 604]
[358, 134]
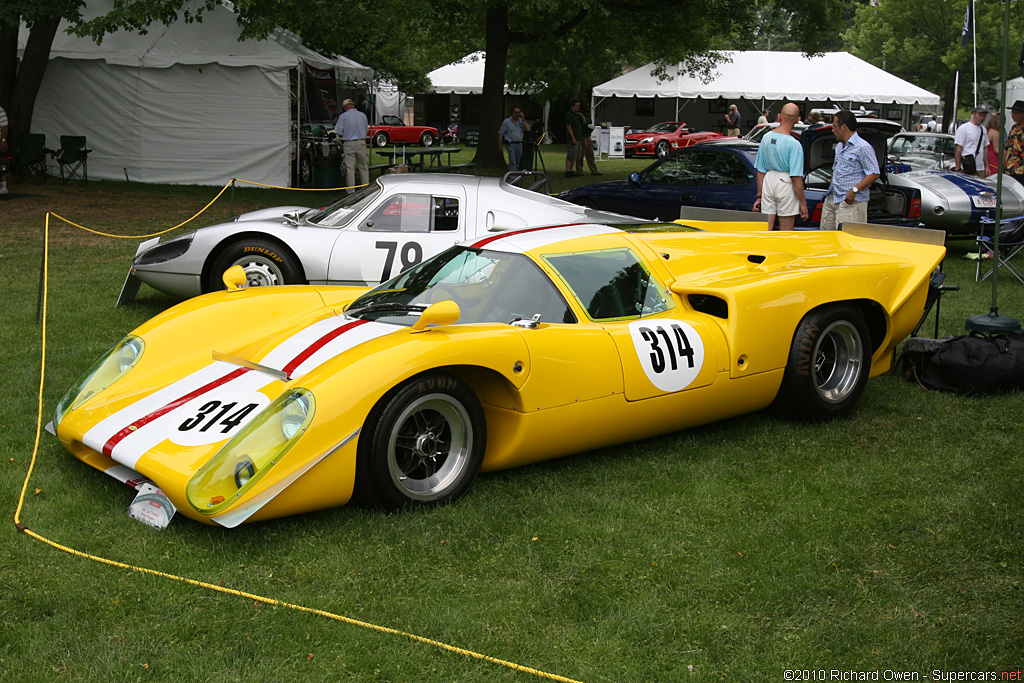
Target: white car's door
[399, 232]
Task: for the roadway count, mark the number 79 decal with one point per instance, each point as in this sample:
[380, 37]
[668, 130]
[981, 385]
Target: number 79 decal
[670, 352]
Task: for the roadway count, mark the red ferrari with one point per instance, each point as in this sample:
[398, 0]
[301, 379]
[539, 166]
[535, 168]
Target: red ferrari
[665, 137]
[393, 129]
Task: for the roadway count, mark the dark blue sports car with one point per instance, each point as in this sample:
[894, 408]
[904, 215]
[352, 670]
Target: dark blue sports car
[721, 175]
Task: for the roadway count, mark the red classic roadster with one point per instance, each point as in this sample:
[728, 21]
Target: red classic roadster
[393, 129]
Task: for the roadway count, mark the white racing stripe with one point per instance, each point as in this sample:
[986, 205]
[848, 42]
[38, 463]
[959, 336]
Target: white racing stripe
[128, 434]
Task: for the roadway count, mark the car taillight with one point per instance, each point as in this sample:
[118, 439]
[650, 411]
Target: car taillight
[915, 208]
[816, 214]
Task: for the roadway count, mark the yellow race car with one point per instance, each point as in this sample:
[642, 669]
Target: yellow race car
[522, 346]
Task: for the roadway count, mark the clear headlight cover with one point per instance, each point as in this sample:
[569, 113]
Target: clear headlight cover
[108, 369]
[644, 141]
[251, 453]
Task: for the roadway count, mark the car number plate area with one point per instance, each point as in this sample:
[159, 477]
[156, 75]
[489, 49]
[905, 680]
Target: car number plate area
[984, 202]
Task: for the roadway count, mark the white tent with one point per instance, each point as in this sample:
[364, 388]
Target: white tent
[185, 103]
[836, 77]
[462, 77]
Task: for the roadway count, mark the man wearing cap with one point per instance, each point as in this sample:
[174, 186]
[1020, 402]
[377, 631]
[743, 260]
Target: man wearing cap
[352, 128]
[1013, 152]
[854, 169]
[971, 141]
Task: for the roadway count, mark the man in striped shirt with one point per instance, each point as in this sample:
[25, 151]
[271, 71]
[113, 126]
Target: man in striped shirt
[854, 169]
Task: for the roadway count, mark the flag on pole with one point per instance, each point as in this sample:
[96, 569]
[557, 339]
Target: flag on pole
[968, 31]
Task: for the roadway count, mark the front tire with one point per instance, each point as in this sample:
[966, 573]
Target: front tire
[828, 366]
[422, 444]
[427, 139]
[380, 139]
[662, 149]
[265, 264]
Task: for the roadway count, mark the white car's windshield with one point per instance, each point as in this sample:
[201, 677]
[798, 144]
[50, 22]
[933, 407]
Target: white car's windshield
[341, 212]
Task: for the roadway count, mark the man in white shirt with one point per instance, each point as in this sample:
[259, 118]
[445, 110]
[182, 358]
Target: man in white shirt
[971, 141]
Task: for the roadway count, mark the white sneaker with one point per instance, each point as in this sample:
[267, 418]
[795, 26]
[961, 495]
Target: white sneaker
[3, 190]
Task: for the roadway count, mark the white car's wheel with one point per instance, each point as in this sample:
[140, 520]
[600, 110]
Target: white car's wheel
[265, 264]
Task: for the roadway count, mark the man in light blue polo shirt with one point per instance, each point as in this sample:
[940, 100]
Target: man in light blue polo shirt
[780, 173]
[853, 171]
[353, 128]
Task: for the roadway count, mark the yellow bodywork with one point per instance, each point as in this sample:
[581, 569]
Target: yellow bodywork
[546, 392]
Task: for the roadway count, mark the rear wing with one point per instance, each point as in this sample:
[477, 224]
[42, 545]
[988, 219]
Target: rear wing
[896, 233]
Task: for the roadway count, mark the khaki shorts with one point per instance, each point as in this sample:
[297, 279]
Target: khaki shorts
[834, 214]
[777, 195]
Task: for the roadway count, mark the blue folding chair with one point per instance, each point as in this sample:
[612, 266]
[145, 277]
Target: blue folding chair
[1011, 241]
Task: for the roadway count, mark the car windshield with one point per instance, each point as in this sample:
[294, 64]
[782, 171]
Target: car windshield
[488, 286]
[667, 127]
[342, 211]
[916, 144]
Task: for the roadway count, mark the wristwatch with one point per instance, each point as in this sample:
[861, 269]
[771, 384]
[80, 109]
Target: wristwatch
[855, 189]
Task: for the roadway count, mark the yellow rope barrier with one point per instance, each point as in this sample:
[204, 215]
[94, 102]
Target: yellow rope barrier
[203, 584]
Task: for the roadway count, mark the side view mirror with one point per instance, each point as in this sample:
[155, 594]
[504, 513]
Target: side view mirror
[442, 313]
[292, 217]
[234, 278]
[634, 178]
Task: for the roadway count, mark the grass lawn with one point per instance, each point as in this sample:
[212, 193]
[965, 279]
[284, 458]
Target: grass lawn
[891, 540]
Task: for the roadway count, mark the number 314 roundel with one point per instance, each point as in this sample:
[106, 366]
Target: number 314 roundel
[670, 352]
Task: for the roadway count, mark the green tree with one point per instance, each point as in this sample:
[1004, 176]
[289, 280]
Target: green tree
[564, 44]
[919, 40]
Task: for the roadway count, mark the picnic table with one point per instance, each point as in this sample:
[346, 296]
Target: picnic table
[423, 159]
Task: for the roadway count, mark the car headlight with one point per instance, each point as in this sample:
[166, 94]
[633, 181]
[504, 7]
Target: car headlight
[251, 453]
[644, 141]
[108, 369]
[165, 251]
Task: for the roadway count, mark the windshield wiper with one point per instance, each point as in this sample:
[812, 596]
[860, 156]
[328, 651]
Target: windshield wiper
[385, 306]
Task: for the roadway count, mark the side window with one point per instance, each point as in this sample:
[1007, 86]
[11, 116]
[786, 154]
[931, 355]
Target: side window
[730, 171]
[446, 214]
[611, 284]
[401, 213]
[415, 213]
[690, 168]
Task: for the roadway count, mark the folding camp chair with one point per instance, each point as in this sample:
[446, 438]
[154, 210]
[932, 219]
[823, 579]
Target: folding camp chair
[73, 158]
[1011, 241]
[30, 155]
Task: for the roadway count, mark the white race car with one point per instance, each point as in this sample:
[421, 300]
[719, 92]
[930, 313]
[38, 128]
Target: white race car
[364, 238]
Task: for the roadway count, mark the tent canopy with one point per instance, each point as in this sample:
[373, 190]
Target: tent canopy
[215, 40]
[835, 76]
[462, 77]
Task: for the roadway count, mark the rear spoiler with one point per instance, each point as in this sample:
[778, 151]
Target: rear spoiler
[896, 233]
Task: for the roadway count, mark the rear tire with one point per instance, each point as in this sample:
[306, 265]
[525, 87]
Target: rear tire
[828, 366]
[380, 139]
[422, 445]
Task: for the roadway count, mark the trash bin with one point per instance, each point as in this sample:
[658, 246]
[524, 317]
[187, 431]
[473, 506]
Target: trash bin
[326, 175]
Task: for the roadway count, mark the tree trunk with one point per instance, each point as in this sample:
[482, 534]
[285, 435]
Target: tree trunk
[492, 105]
[30, 76]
